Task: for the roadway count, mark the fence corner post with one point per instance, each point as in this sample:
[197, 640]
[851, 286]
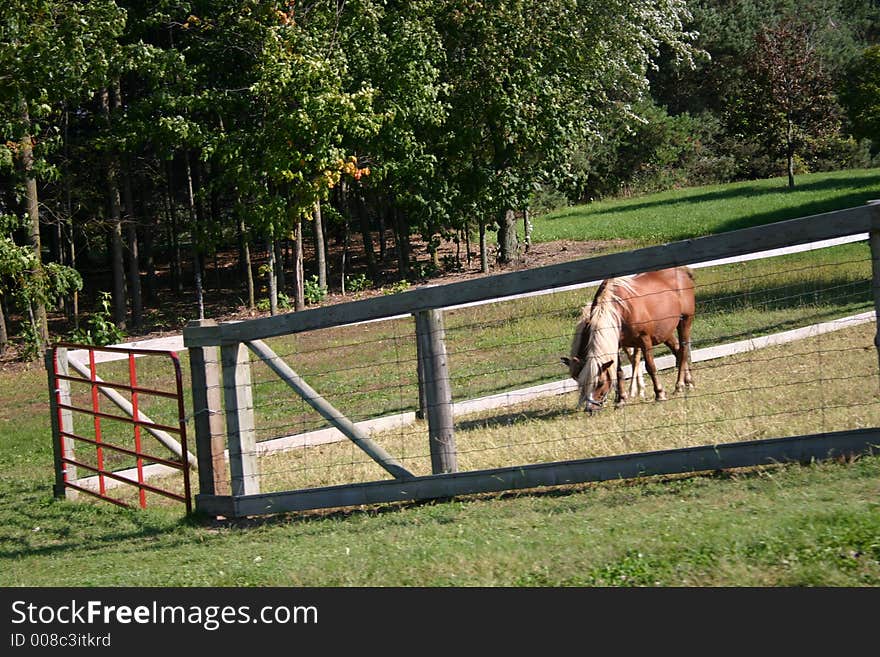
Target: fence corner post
[61, 420]
[204, 363]
[238, 396]
[431, 337]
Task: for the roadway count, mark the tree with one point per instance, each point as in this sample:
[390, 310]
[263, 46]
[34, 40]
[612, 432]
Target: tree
[50, 52]
[793, 92]
[530, 80]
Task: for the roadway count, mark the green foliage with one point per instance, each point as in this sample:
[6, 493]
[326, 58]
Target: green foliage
[657, 152]
[399, 286]
[100, 329]
[313, 292]
[525, 92]
[357, 283]
[31, 346]
[25, 280]
[265, 305]
[860, 95]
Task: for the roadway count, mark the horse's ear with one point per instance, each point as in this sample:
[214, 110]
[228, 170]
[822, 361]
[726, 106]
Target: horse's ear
[606, 365]
[565, 361]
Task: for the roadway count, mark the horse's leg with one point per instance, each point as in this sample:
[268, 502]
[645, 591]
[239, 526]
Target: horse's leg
[621, 393]
[648, 350]
[684, 336]
[637, 380]
[677, 348]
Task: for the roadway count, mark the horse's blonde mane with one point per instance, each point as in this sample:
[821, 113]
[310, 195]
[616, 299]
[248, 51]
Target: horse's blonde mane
[604, 319]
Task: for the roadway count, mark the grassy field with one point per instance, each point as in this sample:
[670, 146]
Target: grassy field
[792, 525]
[684, 213]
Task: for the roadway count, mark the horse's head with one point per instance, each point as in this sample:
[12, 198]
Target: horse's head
[595, 382]
[593, 357]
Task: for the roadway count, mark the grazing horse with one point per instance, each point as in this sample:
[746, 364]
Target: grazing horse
[575, 362]
[636, 313]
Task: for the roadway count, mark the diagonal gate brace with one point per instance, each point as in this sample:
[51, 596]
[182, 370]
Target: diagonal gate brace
[327, 411]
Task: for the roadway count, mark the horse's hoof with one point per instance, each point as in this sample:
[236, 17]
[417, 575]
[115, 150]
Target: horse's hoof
[661, 396]
[620, 404]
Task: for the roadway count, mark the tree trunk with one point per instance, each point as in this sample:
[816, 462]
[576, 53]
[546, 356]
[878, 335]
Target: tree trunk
[342, 201]
[320, 252]
[175, 266]
[149, 258]
[246, 263]
[279, 266]
[401, 236]
[527, 228]
[484, 249]
[507, 242]
[789, 150]
[195, 232]
[299, 302]
[344, 252]
[368, 238]
[33, 212]
[71, 302]
[117, 259]
[134, 265]
[383, 251]
[272, 273]
[4, 336]
[131, 224]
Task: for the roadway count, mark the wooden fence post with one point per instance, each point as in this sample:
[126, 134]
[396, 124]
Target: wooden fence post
[431, 337]
[422, 409]
[874, 240]
[62, 420]
[204, 367]
[239, 399]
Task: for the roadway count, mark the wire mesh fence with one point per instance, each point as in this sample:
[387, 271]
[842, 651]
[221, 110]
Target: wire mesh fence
[819, 381]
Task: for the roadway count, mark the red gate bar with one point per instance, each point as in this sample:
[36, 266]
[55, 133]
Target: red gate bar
[96, 408]
[132, 377]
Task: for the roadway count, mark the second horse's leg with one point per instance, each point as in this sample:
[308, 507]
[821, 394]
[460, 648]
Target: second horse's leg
[621, 393]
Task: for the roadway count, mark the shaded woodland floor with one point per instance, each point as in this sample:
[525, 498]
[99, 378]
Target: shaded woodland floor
[225, 291]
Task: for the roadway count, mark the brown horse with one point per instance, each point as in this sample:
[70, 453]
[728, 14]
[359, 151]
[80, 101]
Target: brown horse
[636, 313]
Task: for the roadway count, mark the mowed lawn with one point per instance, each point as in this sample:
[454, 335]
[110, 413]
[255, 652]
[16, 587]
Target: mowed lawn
[780, 526]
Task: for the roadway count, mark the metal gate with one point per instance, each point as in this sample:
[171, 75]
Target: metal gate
[117, 450]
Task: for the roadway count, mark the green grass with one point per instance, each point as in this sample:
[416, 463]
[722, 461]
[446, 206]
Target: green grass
[684, 213]
[793, 525]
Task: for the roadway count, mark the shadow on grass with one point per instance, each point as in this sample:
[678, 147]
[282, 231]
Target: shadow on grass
[37, 524]
[516, 417]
